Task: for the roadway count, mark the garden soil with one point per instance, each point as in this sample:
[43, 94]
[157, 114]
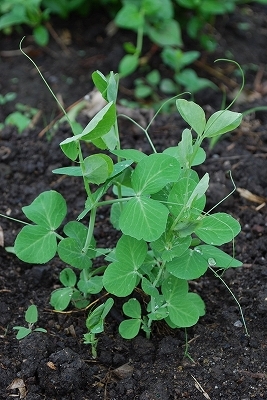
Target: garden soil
[224, 362]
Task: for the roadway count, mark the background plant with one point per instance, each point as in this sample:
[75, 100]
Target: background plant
[157, 202]
[31, 317]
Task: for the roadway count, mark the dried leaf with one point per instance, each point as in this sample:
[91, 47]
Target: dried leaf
[19, 384]
[250, 196]
[1, 236]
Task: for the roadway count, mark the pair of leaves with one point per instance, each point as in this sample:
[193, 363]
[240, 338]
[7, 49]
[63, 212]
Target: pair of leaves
[99, 126]
[143, 217]
[37, 244]
[220, 122]
[120, 277]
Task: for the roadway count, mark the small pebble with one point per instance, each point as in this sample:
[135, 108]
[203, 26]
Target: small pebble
[238, 324]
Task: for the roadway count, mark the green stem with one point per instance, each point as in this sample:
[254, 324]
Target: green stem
[14, 219]
[235, 299]
[153, 306]
[90, 230]
[142, 129]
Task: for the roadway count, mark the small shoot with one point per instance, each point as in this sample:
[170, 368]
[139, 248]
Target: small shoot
[31, 317]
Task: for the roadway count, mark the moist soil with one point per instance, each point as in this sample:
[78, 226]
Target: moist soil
[225, 363]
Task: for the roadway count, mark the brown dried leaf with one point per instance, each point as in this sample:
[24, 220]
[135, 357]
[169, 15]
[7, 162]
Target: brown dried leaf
[1, 236]
[250, 196]
[19, 384]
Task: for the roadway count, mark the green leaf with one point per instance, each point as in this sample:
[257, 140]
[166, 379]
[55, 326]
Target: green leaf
[185, 149]
[190, 265]
[40, 330]
[19, 120]
[180, 194]
[67, 277]
[41, 35]
[120, 276]
[76, 230]
[70, 149]
[95, 320]
[159, 314]
[182, 311]
[31, 314]
[217, 229]
[132, 308]
[128, 65]
[70, 171]
[60, 298]
[167, 86]
[130, 154]
[199, 190]
[142, 91]
[219, 257]
[198, 303]
[22, 332]
[168, 249]
[129, 328]
[131, 251]
[120, 279]
[71, 252]
[47, 210]
[97, 127]
[167, 33]
[148, 288]
[143, 218]
[100, 81]
[129, 17]
[35, 244]
[193, 114]
[91, 285]
[221, 122]
[154, 172]
[97, 168]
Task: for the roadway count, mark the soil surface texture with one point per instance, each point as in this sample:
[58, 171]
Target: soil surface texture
[225, 363]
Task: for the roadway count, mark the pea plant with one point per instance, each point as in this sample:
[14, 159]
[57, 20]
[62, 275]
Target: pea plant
[157, 202]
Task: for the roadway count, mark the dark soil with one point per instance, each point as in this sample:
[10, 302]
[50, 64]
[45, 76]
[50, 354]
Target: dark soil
[226, 364]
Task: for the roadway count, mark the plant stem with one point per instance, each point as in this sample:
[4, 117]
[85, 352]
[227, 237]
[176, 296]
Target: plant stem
[235, 299]
[90, 230]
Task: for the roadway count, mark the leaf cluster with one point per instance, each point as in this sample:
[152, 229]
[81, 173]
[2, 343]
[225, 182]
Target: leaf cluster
[157, 201]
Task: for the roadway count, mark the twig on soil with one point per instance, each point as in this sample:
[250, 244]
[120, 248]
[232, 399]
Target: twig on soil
[55, 36]
[200, 388]
[12, 53]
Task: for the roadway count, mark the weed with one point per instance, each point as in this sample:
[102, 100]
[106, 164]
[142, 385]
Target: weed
[31, 317]
[21, 118]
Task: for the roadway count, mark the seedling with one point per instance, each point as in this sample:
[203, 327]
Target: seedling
[157, 201]
[21, 118]
[31, 317]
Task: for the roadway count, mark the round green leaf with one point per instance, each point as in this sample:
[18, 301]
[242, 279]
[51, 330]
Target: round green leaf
[154, 172]
[143, 218]
[48, 210]
[120, 279]
[190, 265]
[129, 328]
[35, 244]
[60, 298]
[31, 314]
[67, 277]
[217, 229]
[132, 308]
[71, 252]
